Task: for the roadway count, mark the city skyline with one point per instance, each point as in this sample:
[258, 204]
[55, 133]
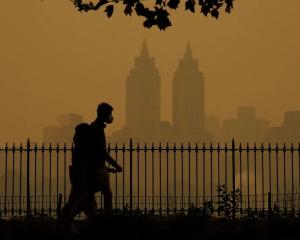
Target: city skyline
[189, 121]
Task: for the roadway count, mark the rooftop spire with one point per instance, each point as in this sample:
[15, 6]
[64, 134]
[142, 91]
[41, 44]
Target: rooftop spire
[144, 51]
[188, 51]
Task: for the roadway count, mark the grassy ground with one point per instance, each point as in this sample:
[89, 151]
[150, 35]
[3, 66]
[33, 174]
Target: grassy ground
[153, 227]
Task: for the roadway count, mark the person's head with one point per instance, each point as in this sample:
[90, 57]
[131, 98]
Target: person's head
[104, 113]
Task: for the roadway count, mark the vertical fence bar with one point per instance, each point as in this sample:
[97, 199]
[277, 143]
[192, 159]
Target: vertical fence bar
[182, 198]
[13, 181]
[102, 203]
[57, 173]
[277, 175]
[284, 178]
[298, 175]
[248, 177]
[197, 194]
[233, 179]
[211, 172]
[0, 183]
[138, 175]
[123, 175]
[116, 177]
[226, 165]
[5, 180]
[145, 172]
[203, 173]
[152, 156]
[241, 179]
[189, 169]
[50, 179]
[65, 172]
[28, 209]
[167, 151]
[255, 180]
[218, 170]
[262, 179]
[225, 175]
[43, 178]
[160, 198]
[292, 170]
[35, 179]
[175, 202]
[270, 205]
[130, 174]
[20, 179]
[270, 174]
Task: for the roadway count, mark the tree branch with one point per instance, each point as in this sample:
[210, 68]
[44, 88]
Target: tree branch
[159, 14]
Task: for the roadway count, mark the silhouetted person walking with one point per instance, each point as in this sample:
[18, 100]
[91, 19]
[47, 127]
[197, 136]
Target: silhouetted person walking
[88, 173]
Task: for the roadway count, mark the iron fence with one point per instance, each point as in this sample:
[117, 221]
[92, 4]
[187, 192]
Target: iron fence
[160, 178]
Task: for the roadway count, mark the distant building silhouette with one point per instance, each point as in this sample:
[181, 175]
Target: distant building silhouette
[188, 97]
[64, 131]
[143, 102]
[288, 132]
[213, 126]
[246, 127]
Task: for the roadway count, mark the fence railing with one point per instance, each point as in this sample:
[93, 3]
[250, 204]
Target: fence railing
[161, 178]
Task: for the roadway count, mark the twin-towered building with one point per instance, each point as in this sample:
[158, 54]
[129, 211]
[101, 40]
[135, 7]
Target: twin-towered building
[189, 122]
[143, 102]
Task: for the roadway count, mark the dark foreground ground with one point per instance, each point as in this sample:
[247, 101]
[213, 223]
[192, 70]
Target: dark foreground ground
[136, 228]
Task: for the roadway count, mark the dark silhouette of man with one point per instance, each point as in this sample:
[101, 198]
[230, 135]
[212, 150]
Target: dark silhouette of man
[88, 173]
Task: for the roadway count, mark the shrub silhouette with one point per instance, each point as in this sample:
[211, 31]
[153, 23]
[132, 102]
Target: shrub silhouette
[229, 201]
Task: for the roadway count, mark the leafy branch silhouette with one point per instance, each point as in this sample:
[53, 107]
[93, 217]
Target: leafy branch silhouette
[159, 14]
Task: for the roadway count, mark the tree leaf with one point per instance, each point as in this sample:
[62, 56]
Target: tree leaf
[229, 5]
[162, 19]
[140, 9]
[159, 2]
[148, 23]
[205, 10]
[190, 5]
[173, 4]
[215, 13]
[128, 10]
[109, 10]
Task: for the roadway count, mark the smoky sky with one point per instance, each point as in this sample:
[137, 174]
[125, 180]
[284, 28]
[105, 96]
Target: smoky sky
[55, 60]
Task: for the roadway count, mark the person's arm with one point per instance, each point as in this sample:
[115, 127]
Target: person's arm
[112, 162]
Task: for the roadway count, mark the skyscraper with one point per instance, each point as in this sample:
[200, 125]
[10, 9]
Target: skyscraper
[188, 97]
[143, 100]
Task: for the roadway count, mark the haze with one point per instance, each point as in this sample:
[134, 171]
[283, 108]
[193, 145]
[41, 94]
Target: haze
[55, 60]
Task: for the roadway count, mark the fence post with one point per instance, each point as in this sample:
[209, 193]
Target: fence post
[130, 173]
[233, 179]
[270, 205]
[28, 210]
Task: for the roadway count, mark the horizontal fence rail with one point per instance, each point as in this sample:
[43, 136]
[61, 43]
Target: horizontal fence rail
[228, 180]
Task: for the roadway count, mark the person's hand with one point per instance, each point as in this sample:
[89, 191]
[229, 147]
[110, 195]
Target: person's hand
[119, 168]
[111, 170]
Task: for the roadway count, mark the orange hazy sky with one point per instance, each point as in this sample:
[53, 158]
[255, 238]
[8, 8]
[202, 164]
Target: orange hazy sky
[56, 60]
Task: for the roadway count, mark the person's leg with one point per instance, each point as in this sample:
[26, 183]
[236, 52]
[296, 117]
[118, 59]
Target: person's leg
[72, 208]
[68, 213]
[66, 210]
[90, 206]
[107, 193]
